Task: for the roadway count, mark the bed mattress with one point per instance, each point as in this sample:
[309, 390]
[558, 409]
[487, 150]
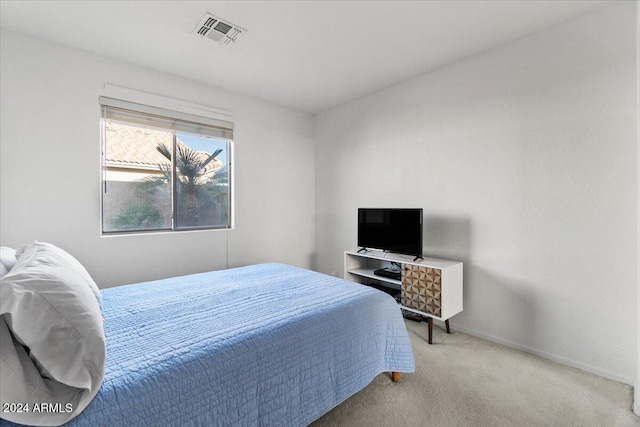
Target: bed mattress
[263, 345]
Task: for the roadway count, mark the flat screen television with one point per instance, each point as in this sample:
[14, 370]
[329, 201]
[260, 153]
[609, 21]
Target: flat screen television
[392, 230]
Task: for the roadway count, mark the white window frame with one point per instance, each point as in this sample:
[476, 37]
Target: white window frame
[167, 108]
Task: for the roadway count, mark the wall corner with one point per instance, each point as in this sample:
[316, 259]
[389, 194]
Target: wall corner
[636, 405]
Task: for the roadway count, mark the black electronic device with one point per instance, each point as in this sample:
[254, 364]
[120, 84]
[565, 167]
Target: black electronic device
[411, 316]
[388, 273]
[392, 230]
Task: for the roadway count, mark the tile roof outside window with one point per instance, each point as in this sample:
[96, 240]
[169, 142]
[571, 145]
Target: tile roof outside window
[135, 147]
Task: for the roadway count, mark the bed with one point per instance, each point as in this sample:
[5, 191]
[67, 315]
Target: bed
[268, 345]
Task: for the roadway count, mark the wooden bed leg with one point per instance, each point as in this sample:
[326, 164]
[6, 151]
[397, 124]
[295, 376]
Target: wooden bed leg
[430, 321]
[395, 376]
[446, 322]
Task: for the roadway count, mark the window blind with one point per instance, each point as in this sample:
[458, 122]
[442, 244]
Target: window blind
[161, 118]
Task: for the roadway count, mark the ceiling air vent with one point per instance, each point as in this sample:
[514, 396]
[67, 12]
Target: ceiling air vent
[218, 30]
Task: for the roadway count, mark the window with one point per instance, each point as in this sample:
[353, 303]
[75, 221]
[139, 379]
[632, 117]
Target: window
[163, 170]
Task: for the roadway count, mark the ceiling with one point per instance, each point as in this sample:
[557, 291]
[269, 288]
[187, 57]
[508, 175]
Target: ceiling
[307, 55]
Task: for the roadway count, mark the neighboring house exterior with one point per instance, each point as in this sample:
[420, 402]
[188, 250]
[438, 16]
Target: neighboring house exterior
[131, 153]
[131, 157]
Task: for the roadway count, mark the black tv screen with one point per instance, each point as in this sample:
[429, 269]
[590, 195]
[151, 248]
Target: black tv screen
[392, 230]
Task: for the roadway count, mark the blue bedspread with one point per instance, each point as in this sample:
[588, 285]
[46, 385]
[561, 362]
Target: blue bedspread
[264, 345]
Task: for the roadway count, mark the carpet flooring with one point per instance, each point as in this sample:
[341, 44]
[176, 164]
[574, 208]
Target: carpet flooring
[461, 380]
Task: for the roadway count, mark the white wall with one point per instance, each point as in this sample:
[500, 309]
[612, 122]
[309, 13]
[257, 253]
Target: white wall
[50, 169]
[524, 160]
[636, 406]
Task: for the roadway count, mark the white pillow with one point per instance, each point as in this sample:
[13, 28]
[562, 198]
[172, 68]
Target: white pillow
[49, 304]
[23, 382]
[69, 262]
[7, 257]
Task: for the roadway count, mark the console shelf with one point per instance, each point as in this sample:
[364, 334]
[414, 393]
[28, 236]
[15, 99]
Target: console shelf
[368, 273]
[430, 287]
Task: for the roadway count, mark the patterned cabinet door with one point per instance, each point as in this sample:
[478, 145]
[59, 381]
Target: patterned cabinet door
[422, 288]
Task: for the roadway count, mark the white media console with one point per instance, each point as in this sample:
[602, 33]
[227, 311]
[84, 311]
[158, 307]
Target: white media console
[430, 287]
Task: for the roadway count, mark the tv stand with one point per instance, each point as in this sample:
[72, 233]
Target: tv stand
[430, 287]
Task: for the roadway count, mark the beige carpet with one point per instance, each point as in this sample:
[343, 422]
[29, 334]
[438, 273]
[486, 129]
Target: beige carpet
[466, 381]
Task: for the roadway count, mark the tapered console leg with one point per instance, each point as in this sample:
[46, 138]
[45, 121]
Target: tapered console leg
[446, 323]
[430, 321]
[395, 376]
